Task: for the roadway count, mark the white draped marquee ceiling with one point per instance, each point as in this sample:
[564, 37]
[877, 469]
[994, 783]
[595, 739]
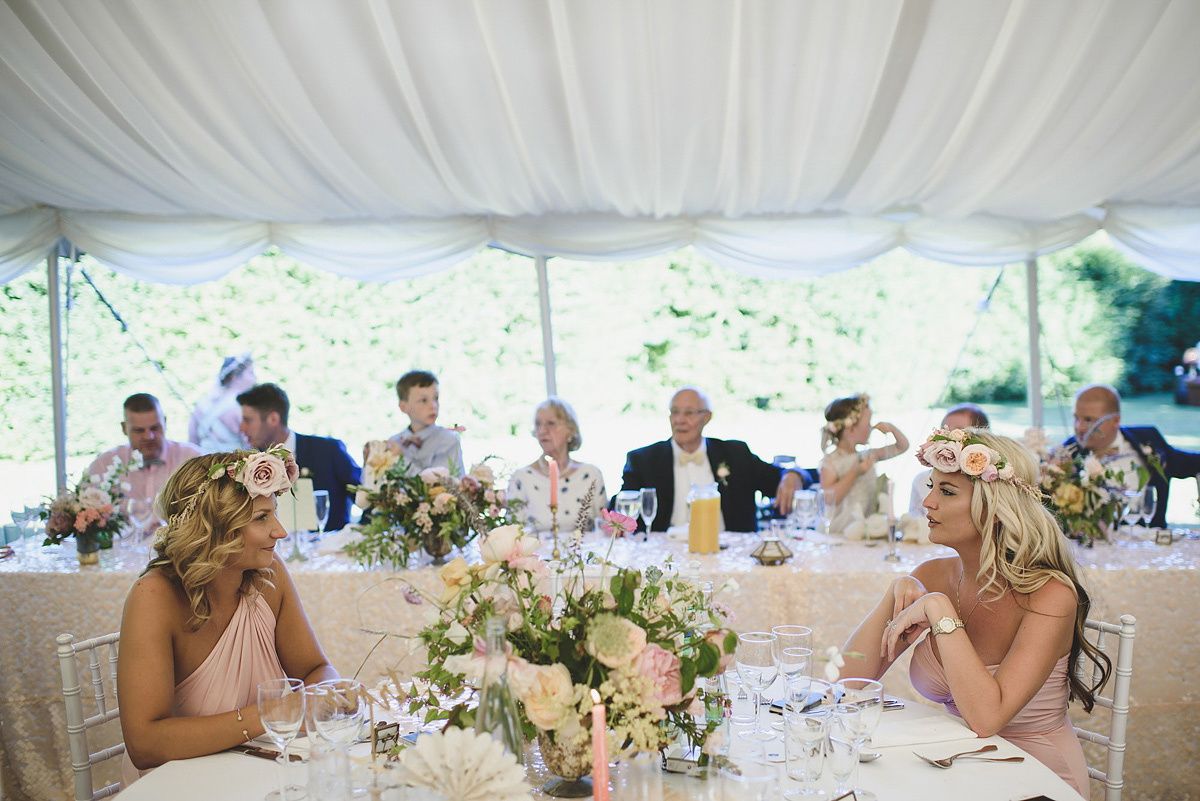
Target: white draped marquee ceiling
[175, 139]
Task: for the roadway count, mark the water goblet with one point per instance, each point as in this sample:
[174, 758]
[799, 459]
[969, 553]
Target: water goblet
[141, 512]
[649, 508]
[804, 507]
[1131, 509]
[281, 710]
[629, 503]
[19, 517]
[826, 508]
[755, 662]
[841, 752]
[866, 696]
[805, 733]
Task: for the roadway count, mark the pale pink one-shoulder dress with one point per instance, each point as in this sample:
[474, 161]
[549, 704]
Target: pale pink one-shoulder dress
[228, 678]
[1042, 728]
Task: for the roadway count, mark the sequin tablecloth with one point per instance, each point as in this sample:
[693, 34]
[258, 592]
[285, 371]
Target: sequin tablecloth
[361, 617]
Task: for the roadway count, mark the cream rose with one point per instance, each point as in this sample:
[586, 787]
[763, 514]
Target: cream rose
[263, 474]
[941, 455]
[974, 459]
[483, 474]
[94, 498]
[434, 475]
[546, 691]
[1069, 497]
[507, 544]
[1092, 466]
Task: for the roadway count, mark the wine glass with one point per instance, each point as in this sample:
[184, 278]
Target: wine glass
[281, 710]
[865, 696]
[804, 507]
[629, 503]
[842, 752]
[805, 733]
[649, 505]
[141, 512]
[826, 508]
[339, 706]
[1131, 509]
[20, 517]
[755, 661]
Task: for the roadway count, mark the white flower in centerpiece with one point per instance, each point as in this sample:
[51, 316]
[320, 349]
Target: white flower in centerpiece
[483, 474]
[1092, 466]
[380, 457]
[94, 498]
[834, 663]
[465, 766]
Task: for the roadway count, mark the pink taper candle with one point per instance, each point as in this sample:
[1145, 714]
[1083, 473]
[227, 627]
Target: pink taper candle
[599, 750]
[553, 481]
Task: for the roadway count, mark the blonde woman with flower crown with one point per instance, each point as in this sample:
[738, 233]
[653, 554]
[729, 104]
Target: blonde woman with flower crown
[213, 614]
[1004, 614]
[849, 467]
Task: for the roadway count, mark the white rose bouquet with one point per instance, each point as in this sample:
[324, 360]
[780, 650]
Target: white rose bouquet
[91, 509]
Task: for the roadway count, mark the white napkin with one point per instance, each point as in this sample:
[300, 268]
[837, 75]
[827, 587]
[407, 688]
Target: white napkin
[333, 542]
[677, 533]
[918, 731]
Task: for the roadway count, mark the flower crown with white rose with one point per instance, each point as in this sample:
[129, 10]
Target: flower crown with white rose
[956, 451]
[836, 427]
[271, 472]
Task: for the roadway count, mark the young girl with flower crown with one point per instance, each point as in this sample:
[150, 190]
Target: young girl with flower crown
[213, 614]
[849, 471]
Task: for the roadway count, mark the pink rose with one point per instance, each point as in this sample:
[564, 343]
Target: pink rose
[974, 459]
[941, 455]
[990, 473]
[264, 474]
[662, 668]
[717, 638]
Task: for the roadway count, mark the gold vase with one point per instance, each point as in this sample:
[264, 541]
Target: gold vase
[569, 764]
[87, 546]
[436, 546]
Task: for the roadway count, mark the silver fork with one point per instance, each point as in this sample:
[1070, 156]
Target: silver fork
[950, 759]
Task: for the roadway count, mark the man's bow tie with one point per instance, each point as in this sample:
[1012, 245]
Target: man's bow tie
[411, 439]
[1106, 454]
[148, 463]
[691, 458]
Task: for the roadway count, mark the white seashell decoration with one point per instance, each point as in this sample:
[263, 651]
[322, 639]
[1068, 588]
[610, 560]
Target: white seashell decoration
[464, 766]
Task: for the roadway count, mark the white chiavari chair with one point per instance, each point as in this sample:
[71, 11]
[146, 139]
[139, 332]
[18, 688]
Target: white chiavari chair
[101, 656]
[1112, 776]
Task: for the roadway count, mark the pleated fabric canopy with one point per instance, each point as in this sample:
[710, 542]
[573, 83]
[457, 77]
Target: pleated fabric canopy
[377, 139]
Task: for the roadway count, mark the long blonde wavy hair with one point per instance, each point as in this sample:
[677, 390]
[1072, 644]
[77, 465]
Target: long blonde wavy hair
[1023, 548]
[192, 548]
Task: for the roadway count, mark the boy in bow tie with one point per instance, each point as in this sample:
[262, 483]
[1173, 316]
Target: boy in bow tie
[424, 443]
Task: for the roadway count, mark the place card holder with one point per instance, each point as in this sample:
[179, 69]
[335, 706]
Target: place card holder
[263, 753]
[1162, 536]
[387, 737]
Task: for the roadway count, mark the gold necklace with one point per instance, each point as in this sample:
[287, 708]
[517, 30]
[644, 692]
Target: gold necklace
[958, 597]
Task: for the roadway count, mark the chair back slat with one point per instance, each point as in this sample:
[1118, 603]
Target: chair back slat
[103, 676]
[1118, 702]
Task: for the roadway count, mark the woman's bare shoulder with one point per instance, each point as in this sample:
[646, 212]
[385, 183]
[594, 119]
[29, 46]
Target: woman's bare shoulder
[155, 596]
[942, 570]
[1054, 598]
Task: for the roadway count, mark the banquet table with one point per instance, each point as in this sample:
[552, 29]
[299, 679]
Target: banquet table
[898, 775]
[363, 618]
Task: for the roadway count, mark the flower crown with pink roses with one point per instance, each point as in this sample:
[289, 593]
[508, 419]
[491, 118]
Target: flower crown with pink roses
[955, 451]
[271, 472]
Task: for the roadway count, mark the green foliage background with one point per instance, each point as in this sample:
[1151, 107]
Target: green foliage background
[625, 335]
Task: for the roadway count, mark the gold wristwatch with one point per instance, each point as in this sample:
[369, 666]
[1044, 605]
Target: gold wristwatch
[946, 625]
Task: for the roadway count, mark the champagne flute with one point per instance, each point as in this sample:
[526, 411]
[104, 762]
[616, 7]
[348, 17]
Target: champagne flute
[649, 506]
[281, 710]
[321, 500]
[1149, 504]
[755, 661]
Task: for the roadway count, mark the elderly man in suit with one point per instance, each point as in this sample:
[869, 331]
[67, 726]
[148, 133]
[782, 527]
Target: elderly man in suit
[1098, 430]
[688, 457]
[265, 424]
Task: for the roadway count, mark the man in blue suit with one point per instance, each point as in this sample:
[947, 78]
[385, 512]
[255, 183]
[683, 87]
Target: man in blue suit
[689, 457]
[265, 424]
[1098, 430]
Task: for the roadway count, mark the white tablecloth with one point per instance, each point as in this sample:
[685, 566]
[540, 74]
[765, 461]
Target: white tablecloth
[828, 588]
[897, 776]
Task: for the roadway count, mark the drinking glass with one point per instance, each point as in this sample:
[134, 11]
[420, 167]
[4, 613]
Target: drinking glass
[1149, 504]
[321, 499]
[755, 661]
[842, 753]
[826, 508]
[1131, 510]
[19, 517]
[750, 781]
[629, 503]
[33, 513]
[339, 706]
[281, 710]
[866, 696]
[649, 507]
[141, 512]
[794, 665]
[804, 750]
[804, 507]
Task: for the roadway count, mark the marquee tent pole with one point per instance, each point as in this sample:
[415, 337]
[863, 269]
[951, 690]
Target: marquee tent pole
[547, 333]
[58, 386]
[1034, 390]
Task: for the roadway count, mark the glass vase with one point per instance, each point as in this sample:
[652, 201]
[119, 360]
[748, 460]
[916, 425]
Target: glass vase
[87, 546]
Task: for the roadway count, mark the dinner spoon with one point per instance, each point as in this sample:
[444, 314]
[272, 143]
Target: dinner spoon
[945, 764]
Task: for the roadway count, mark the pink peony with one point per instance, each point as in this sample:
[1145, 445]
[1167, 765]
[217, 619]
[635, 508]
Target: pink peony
[941, 455]
[974, 459]
[617, 524]
[662, 668]
[265, 474]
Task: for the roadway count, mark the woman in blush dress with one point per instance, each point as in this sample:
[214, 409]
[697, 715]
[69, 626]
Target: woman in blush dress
[1005, 613]
[214, 614]
[581, 493]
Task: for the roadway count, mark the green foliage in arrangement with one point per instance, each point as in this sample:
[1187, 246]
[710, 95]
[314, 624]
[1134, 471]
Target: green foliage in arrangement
[625, 335]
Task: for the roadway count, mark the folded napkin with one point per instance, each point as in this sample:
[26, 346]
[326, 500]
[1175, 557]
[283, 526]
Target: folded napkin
[918, 731]
[333, 542]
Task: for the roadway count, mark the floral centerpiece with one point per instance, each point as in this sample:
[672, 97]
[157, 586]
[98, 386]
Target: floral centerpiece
[91, 511]
[1084, 493]
[643, 640]
[432, 508]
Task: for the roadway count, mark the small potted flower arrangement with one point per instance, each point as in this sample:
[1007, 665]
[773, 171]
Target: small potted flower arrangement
[432, 509]
[90, 512]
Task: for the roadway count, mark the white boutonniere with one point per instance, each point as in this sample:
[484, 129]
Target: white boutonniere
[305, 472]
[723, 474]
